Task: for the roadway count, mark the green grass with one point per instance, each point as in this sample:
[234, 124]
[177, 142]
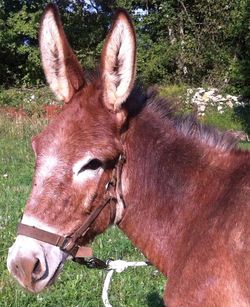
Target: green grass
[77, 285]
[245, 145]
[224, 121]
[173, 90]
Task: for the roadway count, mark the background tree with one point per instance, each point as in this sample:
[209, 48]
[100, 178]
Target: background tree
[179, 41]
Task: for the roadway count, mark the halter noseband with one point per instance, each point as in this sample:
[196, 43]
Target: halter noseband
[72, 244]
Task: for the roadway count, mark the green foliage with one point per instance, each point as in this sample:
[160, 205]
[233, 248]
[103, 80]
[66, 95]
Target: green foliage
[239, 70]
[242, 113]
[192, 42]
[20, 60]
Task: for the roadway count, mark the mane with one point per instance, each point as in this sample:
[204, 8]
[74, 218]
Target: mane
[165, 110]
[187, 125]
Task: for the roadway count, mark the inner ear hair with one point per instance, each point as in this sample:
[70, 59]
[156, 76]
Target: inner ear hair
[118, 62]
[62, 70]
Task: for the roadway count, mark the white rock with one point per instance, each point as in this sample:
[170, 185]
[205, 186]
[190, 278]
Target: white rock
[229, 104]
[202, 108]
[201, 90]
[206, 97]
[234, 98]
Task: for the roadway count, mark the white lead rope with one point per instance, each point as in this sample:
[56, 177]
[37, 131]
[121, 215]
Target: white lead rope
[116, 266]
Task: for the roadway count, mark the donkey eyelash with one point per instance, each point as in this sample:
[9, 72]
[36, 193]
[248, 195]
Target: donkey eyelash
[91, 165]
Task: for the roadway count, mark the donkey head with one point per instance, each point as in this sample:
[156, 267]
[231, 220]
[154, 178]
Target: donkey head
[76, 153]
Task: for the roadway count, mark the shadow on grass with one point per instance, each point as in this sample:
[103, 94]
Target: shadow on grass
[154, 300]
[243, 113]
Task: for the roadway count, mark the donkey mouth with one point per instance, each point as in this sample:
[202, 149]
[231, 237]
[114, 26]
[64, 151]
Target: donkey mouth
[33, 264]
[56, 274]
[39, 285]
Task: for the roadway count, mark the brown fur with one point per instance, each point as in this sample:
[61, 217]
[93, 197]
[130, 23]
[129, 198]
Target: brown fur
[189, 185]
[194, 199]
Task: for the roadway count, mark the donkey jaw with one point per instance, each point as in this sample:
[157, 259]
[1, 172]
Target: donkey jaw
[35, 265]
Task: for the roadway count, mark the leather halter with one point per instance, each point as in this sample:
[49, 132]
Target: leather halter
[72, 244]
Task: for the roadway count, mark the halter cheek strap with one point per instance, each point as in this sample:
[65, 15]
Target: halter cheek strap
[72, 244]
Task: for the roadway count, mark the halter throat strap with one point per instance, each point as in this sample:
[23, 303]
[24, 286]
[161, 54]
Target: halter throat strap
[72, 244]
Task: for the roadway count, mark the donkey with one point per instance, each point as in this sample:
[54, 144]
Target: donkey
[117, 154]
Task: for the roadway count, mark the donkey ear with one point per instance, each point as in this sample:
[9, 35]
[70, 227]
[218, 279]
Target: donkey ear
[118, 61]
[61, 68]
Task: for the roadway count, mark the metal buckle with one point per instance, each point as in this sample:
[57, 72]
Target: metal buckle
[67, 245]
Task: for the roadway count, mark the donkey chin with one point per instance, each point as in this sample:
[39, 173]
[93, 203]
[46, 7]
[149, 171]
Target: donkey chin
[35, 264]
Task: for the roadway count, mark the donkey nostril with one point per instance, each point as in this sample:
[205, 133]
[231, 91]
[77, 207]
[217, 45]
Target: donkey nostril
[37, 272]
[37, 267]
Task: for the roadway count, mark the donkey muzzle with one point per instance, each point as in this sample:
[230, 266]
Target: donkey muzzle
[34, 264]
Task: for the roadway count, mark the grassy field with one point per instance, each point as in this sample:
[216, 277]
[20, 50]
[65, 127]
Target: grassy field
[245, 145]
[77, 285]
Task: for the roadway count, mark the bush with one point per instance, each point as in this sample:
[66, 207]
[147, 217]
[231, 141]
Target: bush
[30, 100]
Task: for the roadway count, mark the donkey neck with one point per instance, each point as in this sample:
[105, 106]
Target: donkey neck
[163, 181]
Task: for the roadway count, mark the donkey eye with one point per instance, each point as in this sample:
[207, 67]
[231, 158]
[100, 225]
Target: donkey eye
[91, 165]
